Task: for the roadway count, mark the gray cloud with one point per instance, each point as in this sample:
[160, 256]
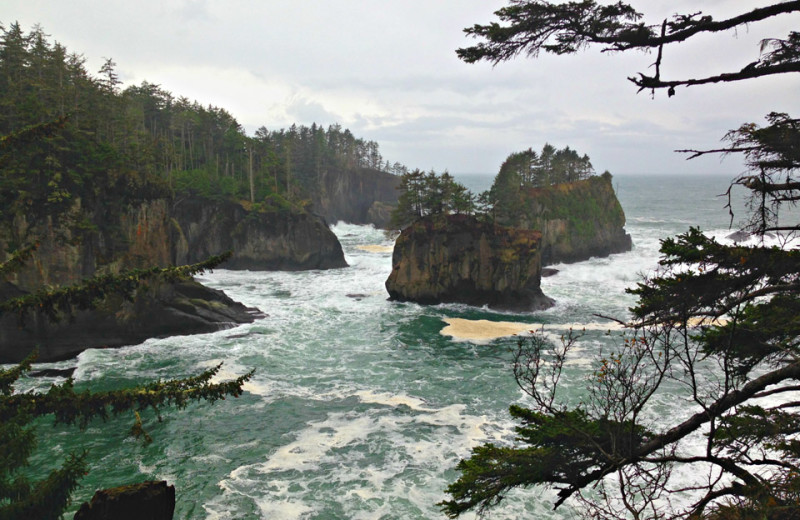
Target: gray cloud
[388, 71]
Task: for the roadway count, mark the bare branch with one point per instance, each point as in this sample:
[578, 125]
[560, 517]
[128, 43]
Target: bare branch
[650, 82]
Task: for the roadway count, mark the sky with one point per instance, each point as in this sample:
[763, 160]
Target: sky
[387, 70]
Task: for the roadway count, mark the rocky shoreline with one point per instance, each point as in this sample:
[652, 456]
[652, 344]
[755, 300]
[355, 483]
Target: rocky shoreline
[155, 232]
[161, 310]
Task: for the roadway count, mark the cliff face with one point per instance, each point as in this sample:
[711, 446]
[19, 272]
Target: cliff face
[456, 258]
[356, 196]
[260, 241]
[578, 220]
[139, 238]
[153, 233]
[159, 232]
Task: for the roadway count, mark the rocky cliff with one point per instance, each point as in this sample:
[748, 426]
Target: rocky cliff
[162, 232]
[283, 241]
[362, 196]
[578, 220]
[162, 309]
[457, 258]
[155, 232]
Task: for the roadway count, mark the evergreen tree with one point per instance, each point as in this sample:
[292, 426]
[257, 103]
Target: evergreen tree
[147, 135]
[524, 170]
[46, 499]
[739, 369]
[429, 194]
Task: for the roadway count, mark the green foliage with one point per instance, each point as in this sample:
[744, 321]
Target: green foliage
[522, 171]
[560, 448]
[142, 141]
[47, 499]
[85, 295]
[72, 170]
[17, 260]
[715, 328]
[430, 194]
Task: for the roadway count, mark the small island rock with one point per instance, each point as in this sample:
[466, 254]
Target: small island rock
[459, 259]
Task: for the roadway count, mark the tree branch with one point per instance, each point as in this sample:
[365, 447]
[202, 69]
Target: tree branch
[706, 24]
[651, 82]
[685, 428]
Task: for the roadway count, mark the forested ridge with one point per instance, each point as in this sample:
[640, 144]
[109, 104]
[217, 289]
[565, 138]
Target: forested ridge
[122, 144]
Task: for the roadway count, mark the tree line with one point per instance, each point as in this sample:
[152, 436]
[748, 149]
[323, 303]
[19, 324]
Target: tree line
[431, 193]
[550, 166]
[143, 135]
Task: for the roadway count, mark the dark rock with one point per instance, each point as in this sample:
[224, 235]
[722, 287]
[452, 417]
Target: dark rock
[459, 259]
[269, 241]
[256, 313]
[739, 236]
[549, 271]
[150, 500]
[53, 372]
[351, 196]
[157, 232]
[162, 310]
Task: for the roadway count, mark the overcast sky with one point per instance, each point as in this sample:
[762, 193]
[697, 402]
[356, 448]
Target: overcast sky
[387, 70]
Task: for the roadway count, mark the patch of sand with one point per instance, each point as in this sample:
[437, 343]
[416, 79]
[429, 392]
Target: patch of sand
[461, 329]
[696, 322]
[375, 248]
[482, 330]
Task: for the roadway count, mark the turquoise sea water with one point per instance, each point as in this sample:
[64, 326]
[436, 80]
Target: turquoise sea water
[359, 408]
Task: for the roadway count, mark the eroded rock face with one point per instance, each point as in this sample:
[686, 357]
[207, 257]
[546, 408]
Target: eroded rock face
[459, 259]
[358, 196]
[156, 232]
[282, 241]
[166, 309]
[578, 220]
[152, 500]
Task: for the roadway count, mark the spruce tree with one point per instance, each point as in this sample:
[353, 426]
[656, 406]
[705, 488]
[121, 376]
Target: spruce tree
[715, 327]
[46, 499]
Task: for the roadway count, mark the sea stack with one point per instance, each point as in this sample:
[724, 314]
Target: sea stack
[460, 259]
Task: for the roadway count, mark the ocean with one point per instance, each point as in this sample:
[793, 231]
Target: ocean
[360, 408]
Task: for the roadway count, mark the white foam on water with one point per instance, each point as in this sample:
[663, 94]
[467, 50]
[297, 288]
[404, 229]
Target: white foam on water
[484, 331]
[422, 440]
[388, 399]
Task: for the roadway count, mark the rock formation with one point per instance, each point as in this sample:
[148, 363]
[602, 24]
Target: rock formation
[163, 309]
[152, 500]
[578, 220]
[457, 258]
[284, 241]
[155, 232]
[358, 196]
